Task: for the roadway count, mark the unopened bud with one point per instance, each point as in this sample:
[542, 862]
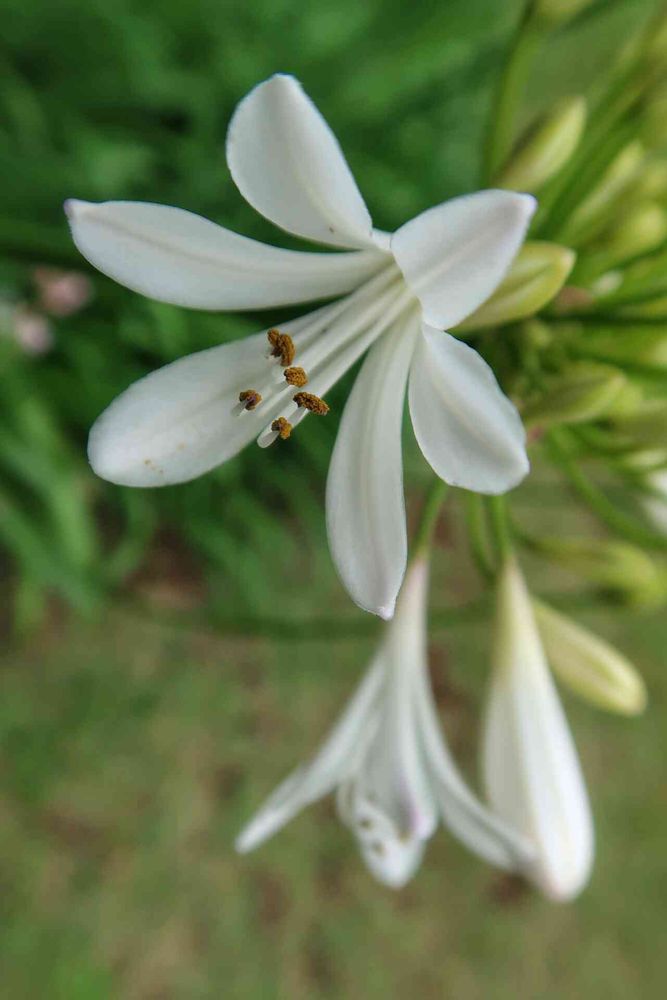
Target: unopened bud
[646, 426]
[644, 345]
[558, 11]
[545, 148]
[615, 566]
[642, 230]
[652, 182]
[583, 392]
[654, 501]
[588, 665]
[536, 276]
[617, 178]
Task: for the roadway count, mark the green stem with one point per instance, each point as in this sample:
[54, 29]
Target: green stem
[514, 75]
[622, 524]
[478, 536]
[429, 517]
[501, 527]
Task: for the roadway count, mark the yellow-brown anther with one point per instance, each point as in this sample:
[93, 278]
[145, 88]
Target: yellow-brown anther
[296, 376]
[282, 428]
[283, 347]
[311, 402]
[251, 398]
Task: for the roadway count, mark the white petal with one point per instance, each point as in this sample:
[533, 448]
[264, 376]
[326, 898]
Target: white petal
[330, 765]
[391, 855]
[287, 163]
[461, 811]
[455, 255]
[175, 256]
[531, 769]
[182, 420]
[468, 430]
[365, 505]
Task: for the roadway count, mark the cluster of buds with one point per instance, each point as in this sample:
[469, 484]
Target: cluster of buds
[583, 311]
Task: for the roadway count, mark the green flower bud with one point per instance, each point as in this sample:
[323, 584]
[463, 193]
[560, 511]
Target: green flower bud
[642, 230]
[536, 276]
[590, 667]
[646, 426]
[545, 148]
[584, 391]
[643, 345]
[652, 182]
[616, 180]
[558, 11]
[612, 565]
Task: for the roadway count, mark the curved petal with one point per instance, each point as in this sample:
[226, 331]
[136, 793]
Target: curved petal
[183, 419]
[455, 255]
[315, 780]
[365, 505]
[287, 163]
[468, 430]
[178, 257]
[391, 855]
[531, 769]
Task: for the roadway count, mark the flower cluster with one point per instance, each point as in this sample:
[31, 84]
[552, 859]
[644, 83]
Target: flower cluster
[578, 287]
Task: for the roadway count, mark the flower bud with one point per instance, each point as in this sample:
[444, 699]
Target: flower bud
[545, 148]
[615, 181]
[642, 230]
[583, 392]
[613, 565]
[654, 501]
[536, 276]
[647, 425]
[558, 11]
[588, 665]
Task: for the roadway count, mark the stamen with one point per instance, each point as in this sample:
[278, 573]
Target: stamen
[282, 428]
[296, 376]
[251, 398]
[283, 347]
[311, 402]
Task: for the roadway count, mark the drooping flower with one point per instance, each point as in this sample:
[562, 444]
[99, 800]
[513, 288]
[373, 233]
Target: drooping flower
[389, 765]
[401, 291]
[531, 769]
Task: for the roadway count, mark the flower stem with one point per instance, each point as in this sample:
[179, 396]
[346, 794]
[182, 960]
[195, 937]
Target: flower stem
[622, 524]
[501, 527]
[478, 536]
[519, 60]
[429, 517]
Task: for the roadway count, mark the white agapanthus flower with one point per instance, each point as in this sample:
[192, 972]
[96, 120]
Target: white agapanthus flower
[388, 762]
[400, 291]
[531, 769]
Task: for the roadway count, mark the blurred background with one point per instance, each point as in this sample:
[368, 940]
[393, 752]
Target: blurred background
[168, 656]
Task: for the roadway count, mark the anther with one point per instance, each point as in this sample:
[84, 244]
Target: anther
[283, 347]
[282, 428]
[311, 402]
[296, 376]
[251, 398]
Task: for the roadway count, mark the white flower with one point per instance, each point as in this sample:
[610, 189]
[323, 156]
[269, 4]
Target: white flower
[401, 291]
[387, 760]
[531, 770]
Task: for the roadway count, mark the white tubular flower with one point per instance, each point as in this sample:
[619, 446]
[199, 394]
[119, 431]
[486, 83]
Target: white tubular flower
[531, 770]
[388, 763]
[400, 291]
